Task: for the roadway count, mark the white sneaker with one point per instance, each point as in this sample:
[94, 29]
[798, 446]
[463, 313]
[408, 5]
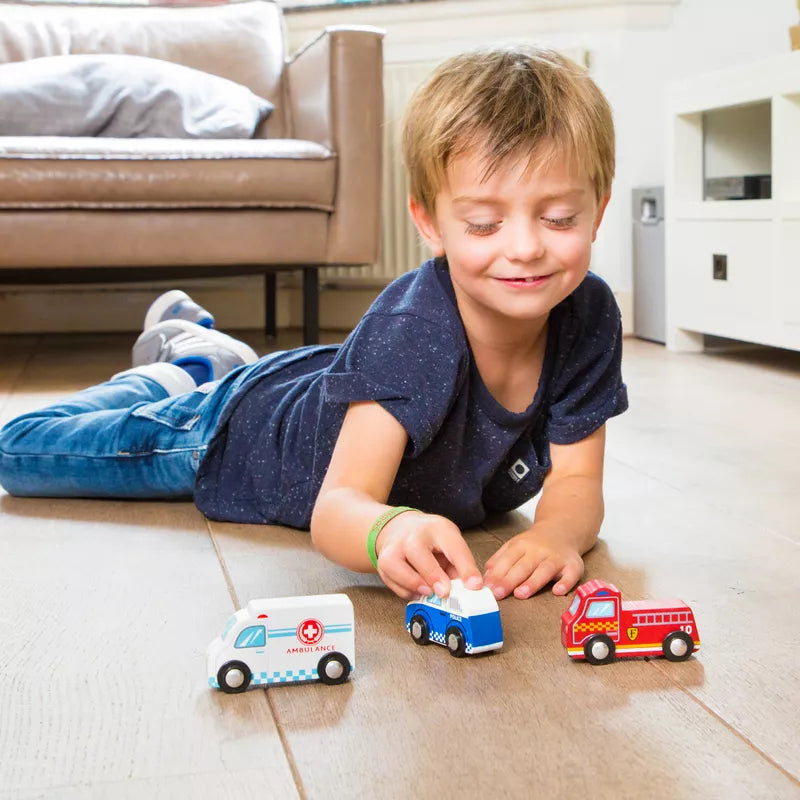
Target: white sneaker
[176, 304]
[182, 342]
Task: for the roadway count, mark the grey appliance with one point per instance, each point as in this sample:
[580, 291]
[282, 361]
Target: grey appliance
[648, 264]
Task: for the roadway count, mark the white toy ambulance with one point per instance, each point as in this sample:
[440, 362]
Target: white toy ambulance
[284, 640]
[466, 621]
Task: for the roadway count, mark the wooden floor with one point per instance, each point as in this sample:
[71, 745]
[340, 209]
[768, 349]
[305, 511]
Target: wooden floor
[106, 609]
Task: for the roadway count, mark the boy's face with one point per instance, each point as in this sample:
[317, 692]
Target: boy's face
[518, 242]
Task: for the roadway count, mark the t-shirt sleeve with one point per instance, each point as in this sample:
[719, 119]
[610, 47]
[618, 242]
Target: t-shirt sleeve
[588, 388]
[407, 364]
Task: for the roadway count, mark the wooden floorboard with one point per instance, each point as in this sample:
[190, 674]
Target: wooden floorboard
[414, 721]
[14, 353]
[107, 608]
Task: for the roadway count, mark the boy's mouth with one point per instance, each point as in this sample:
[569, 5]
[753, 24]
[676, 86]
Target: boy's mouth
[523, 281]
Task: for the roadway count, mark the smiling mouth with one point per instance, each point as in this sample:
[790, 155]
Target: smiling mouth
[524, 281]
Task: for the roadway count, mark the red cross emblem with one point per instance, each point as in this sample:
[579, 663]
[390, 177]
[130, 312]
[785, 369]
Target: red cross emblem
[310, 631]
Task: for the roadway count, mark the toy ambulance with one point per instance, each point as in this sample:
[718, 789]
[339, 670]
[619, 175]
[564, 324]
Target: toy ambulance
[599, 626]
[284, 640]
[466, 622]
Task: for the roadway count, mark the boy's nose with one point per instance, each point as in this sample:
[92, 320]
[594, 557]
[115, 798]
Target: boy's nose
[525, 243]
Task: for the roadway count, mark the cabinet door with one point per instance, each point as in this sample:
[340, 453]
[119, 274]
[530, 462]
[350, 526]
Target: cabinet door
[739, 305]
[790, 274]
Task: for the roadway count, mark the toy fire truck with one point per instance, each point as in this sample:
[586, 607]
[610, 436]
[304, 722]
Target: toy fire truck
[600, 625]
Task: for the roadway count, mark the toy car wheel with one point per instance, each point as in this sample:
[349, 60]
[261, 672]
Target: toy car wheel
[455, 641]
[599, 650]
[678, 646]
[418, 629]
[333, 668]
[234, 677]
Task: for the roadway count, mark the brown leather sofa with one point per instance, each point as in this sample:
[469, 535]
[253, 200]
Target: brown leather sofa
[304, 193]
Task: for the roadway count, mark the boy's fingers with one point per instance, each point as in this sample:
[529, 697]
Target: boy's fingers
[425, 563]
[401, 573]
[399, 590]
[542, 575]
[496, 572]
[460, 556]
[569, 577]
[515, 571]
[495, 557]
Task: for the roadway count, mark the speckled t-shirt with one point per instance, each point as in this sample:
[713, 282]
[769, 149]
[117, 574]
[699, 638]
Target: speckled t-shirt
[466, 456]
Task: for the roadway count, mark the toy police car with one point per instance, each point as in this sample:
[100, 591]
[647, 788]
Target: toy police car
[466, 622]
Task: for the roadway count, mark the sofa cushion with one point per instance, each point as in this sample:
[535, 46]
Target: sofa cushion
[123, 96]
[241, 41]
[38, 172]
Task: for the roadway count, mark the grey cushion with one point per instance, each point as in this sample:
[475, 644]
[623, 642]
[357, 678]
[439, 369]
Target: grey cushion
[123, 96]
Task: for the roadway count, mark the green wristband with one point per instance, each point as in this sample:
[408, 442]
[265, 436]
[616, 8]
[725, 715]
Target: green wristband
[378, 526]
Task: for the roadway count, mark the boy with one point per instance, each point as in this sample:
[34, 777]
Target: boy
[470, 384]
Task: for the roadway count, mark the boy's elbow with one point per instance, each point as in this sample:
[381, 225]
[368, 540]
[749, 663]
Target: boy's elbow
[317, 528]
[323, 528]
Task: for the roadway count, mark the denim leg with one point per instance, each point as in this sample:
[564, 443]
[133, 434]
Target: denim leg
[124, 438]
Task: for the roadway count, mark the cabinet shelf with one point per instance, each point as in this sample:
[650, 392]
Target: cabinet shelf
[726, 209]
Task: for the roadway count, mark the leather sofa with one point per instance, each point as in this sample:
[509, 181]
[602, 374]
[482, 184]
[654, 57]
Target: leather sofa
[301, 194]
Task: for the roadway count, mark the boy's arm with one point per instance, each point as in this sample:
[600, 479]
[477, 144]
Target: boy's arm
[566, 524]
[417, 553]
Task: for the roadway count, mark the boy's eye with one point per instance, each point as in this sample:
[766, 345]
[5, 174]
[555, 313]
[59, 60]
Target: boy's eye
[481, 229]
[560, 222]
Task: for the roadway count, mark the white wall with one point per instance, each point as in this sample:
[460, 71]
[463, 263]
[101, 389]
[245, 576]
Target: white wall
[704, 35]
[634, 67]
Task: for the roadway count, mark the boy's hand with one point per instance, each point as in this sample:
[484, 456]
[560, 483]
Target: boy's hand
[419, 553]
[529, 561]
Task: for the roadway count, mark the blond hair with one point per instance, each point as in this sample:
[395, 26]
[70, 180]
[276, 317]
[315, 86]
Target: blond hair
[505, 104]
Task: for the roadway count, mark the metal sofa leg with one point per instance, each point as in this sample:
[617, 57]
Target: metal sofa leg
[310, 305]
[270, 295]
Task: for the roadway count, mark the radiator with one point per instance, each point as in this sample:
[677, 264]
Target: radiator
[401, 247]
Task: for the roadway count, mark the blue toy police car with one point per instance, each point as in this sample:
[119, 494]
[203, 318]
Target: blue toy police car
[466, 622]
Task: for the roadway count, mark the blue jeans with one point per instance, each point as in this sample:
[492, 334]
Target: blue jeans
[125, 438]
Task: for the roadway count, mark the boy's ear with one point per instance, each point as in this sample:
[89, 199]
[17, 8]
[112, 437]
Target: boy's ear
[426, 226]
[601, 209]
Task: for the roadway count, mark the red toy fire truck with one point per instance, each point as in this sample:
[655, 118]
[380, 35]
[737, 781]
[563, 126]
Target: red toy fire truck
[600, 625]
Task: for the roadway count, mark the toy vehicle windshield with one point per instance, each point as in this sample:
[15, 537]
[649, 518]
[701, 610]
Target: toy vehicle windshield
[600, 608]
[228, 625]
[254, 636]
[574, 607]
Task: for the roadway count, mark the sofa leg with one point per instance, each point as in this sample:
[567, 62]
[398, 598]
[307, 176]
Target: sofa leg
[270, 295]
[310, 305]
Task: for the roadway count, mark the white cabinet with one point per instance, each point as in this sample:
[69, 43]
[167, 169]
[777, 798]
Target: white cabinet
[733, 266]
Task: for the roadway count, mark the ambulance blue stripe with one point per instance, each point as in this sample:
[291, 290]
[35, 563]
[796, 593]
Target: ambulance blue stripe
[343, 625]
[280, 632]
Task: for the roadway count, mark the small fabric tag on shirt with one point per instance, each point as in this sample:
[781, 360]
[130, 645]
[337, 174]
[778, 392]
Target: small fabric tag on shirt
[518, 470]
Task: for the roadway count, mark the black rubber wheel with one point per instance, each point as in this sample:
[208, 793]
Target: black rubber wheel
[234, 677]
[333, 668]
[418, 629]
[678, 646]
[599, 649]
[455, 641]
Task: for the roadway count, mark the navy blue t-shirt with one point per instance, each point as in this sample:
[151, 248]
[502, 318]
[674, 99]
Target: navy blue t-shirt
[466, 456]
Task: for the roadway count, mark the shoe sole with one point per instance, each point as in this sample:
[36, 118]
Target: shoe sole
[240, 349]
[161, 304]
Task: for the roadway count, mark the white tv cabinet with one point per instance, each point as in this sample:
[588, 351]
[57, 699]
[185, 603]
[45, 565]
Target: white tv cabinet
[743, 120]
